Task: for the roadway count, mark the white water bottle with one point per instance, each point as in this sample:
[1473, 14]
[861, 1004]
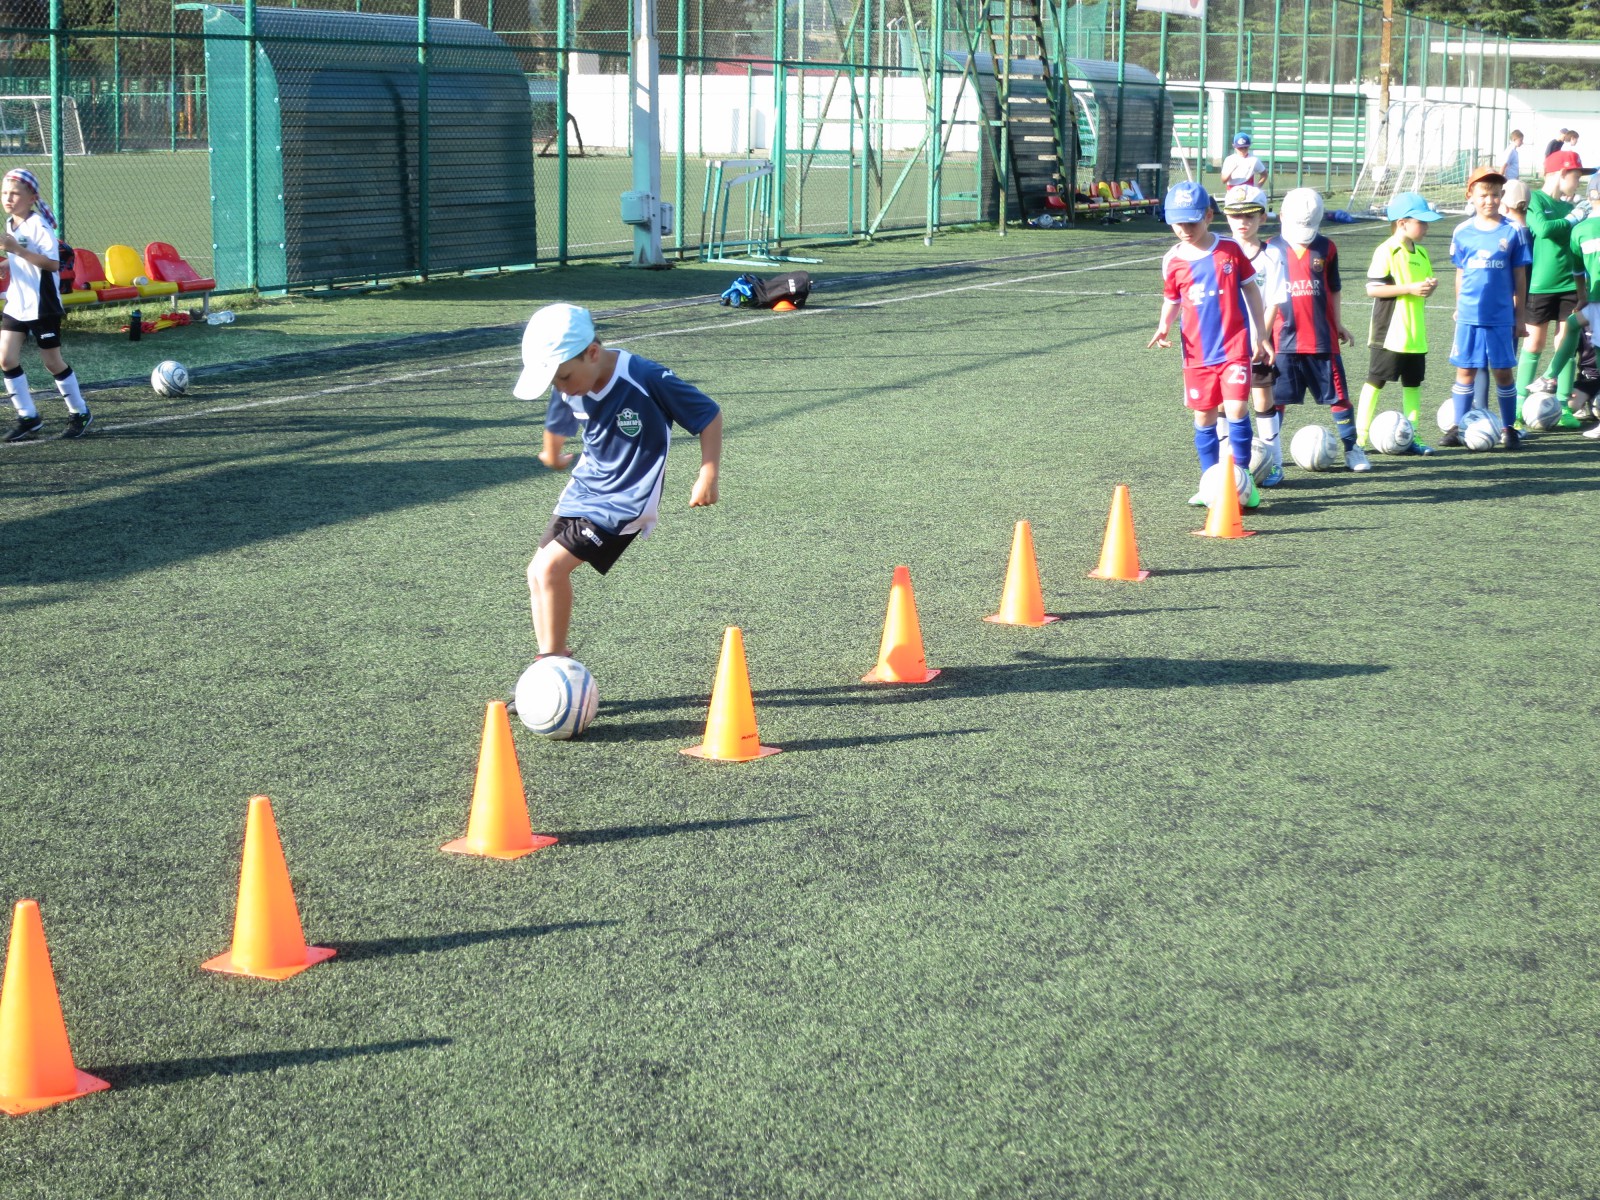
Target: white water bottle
[225, 317]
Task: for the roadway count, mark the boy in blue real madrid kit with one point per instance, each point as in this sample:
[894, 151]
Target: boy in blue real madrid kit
[628, 405]
[1491, 261]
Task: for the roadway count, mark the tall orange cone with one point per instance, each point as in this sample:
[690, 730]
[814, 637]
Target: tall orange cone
[36, 1069]
[498, 826]
[267, 940]
[1022, 602]
[1225, 520]
[731, 724]
[1119, 553]
[900, 656]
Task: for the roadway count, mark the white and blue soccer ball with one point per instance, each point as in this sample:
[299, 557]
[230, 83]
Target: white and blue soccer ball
[1481, 431]
[170, 379]
[556, 697]
[1391, 433]
[1314, 449]
[1446, 420]
[1262, 460]
[1541, 410]
[1211, 483]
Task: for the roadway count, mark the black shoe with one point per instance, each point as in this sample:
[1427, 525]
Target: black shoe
[78, 424]
[1452, 437]
[25, 427]
[1510, 439]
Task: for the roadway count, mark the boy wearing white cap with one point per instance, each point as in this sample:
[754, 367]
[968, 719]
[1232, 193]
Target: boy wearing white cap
[1304, 290]
[628, 405]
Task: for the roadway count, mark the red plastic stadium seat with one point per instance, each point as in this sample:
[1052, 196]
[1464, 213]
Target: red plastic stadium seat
[163, 262]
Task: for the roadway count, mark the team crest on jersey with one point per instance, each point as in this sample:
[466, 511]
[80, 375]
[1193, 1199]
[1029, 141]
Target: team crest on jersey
[1316, 263]
[628, 423]
[1227, 267]
[1504, 244]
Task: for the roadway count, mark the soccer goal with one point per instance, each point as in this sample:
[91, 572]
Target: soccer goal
[25, 125]
[1422, 146]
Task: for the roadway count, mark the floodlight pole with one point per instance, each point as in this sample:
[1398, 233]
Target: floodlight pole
[58, 77]
[642, 206]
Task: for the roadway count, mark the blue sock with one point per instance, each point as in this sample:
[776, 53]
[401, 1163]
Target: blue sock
[1507, 396]
[1239, 437]
[1205, 444]
[1461, 397]
[1344, 424]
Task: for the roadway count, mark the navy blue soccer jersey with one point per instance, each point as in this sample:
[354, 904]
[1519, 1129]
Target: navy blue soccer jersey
[627, 429]
[1486, 259]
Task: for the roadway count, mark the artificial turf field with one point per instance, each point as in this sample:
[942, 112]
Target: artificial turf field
[1272, 876]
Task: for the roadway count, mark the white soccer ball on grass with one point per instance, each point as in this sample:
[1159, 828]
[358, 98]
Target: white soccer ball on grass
[1481, 431]
[1315, 449]
[1211, 483]
[556, 697]
[1541, 410]
[170, 379]
[1391, 433]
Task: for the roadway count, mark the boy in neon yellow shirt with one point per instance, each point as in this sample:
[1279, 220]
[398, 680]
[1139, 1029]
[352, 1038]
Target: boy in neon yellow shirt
[1399, 280]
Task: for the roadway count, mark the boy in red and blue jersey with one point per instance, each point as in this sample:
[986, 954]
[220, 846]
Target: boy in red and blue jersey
[1203, 277]
[1303, 292]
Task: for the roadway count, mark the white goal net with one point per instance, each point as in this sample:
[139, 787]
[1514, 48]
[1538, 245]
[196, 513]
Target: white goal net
[25, 125]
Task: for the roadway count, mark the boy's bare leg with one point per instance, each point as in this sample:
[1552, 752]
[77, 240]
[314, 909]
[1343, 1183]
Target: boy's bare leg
[550, 592]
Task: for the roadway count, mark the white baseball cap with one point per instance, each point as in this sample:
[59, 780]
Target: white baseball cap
[1300, 215]
[554, 334]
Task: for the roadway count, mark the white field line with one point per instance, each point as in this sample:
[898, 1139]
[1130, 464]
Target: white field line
[505, 360]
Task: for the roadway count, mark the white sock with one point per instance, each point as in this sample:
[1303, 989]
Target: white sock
[21, 397]
[67, 385]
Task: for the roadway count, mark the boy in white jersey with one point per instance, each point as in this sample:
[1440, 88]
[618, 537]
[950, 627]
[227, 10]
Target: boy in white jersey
[1245, 207]
[33, 305]
[628, 405]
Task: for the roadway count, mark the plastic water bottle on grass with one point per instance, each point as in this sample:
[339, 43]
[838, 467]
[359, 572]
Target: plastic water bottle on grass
[225, 317]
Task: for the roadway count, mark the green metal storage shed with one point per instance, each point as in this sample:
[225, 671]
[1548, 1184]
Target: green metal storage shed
[336, 149]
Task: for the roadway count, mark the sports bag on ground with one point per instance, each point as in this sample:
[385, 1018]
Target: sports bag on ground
[751, 291]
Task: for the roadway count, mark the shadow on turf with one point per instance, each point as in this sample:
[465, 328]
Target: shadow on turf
[228, 509]
[1034, 673]
[177, 1070]
[627, 833]
[391, 947]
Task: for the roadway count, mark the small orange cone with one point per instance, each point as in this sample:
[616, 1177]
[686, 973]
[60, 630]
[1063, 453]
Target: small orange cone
[267, 940]
[784, 306]
[36, 1069]
[1119, 553]
[731, 724]
[900, 656]
[1225, 520]
[1022, 602]
[498, 825]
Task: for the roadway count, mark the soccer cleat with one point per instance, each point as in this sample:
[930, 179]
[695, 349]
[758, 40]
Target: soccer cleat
[1452, 437]
[1254, 498]
[1510, 439]
[1197, 501]
[25, 427]
[78, 424]
[1274, 476]
[1419, 448]
[1583, 412]
[1568, 419]
[1356, 459]
[1592, 434]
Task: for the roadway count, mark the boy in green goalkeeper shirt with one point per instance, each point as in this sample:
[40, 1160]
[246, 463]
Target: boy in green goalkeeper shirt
[1555, 283]
[1399, 280]
[1586, 246]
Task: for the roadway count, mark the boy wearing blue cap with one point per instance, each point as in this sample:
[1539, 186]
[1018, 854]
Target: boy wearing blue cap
[1399, 279]
[1205, 277]
[1241, 168]
[628, 405]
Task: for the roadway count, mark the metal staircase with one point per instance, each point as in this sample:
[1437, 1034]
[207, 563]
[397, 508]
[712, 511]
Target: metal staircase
[1036, 114]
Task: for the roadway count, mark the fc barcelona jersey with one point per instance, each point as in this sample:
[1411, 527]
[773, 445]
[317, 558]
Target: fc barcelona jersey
[1305, 280]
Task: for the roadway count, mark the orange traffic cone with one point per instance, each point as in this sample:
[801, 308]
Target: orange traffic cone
[1022, 602]
[784, 306]
[731, 724]
[1119, 553]
[498, 825]
[900, 656]
[1225, 520]
[36, 1069]
[267, 940]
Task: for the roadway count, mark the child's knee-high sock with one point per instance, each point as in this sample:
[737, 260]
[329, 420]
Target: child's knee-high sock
[1344, 424]
[1268, 426]
[1566, 350]
[1507, 395]
[1411, 402]
[1205, 445]
[1366, 409]
[67, 385]
[1527, 371]
[1461, 397]
[1239, 437]
[1564, 378]
[21, 397]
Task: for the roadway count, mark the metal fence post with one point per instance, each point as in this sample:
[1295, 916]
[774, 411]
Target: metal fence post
[935, 123]
[683, 103]
[780, 122]
[250, 206]
[423, 160]
[562, 67]
[116, 76]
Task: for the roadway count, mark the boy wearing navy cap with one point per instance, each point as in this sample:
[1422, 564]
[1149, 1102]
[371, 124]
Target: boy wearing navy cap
[628, 405]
